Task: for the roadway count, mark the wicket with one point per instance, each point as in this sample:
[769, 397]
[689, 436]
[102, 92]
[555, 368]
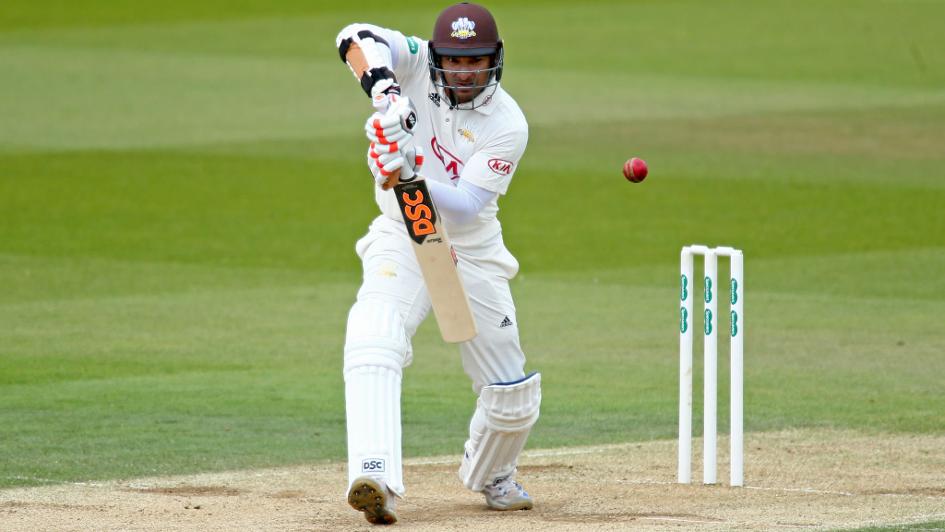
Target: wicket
[710, 354]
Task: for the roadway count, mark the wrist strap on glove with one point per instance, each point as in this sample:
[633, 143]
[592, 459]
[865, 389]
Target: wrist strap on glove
[376, 75]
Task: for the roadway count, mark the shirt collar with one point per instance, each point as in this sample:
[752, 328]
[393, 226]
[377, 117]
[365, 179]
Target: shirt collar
[486, 103]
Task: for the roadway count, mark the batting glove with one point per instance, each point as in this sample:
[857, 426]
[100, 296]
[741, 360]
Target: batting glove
[390, 165]
[395, 125]
[384, 93]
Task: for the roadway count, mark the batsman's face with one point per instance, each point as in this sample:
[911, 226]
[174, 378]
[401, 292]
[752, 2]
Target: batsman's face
[467, 72]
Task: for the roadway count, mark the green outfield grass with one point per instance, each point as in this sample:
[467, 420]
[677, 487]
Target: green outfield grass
[181, 186]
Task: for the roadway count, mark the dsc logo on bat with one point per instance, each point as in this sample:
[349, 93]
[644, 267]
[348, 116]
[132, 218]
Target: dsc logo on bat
[419, 213]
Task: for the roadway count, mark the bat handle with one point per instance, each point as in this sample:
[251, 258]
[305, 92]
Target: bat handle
[391, 180]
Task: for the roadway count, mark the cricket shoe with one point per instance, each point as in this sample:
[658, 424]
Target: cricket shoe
[372, 497]
[506, 494]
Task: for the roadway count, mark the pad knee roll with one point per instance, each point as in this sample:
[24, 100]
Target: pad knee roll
[376, 336]
[505, 414]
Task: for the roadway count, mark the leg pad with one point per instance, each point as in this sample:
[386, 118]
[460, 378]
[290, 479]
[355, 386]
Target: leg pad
[505, 414]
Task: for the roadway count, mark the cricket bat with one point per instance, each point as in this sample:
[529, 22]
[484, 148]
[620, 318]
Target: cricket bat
[437, 259]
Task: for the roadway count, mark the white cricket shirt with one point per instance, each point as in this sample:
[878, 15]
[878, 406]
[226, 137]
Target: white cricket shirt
[482, 146]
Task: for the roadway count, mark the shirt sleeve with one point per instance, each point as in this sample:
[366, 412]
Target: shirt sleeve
[410, 58]
[461, 203]
[493, 166]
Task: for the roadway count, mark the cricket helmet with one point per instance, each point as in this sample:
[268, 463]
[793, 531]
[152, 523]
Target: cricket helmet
[465, 30]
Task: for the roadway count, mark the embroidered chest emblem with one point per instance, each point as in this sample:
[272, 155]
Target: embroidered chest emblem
[466, 134]
[463, 28]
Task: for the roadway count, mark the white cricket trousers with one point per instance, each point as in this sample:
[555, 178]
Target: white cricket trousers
[391, 304]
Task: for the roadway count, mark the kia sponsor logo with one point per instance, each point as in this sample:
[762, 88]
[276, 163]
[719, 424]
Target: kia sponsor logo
[500, 166]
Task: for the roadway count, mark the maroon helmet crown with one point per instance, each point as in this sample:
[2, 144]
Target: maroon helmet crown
[465, 30]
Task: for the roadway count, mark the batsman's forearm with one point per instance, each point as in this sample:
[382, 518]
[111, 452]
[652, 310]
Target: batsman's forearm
[356, 60]
[460, 203]
[366, 53]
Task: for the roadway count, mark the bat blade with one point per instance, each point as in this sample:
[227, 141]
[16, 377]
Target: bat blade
[437, 260]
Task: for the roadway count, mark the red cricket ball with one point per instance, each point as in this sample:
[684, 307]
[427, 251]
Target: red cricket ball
[635, 170]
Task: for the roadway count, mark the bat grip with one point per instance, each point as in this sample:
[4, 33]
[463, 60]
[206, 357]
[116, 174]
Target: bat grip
[391, 180]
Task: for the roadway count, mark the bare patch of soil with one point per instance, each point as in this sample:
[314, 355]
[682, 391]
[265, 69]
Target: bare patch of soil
[811, 480]
[208, 491]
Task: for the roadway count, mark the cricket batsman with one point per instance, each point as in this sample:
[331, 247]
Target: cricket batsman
[442, 99]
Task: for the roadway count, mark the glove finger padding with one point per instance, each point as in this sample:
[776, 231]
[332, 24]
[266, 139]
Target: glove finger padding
[378, 149]
[394, 125]
[384, 166]
[392, 165]
[388, 163]
[372, 156]
[398, 166]
[379, 134]
[386, 120]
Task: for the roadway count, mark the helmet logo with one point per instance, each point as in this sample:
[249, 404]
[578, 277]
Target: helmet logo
[463, 28]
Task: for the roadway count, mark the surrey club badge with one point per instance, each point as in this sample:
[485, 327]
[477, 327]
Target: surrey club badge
[463, 28]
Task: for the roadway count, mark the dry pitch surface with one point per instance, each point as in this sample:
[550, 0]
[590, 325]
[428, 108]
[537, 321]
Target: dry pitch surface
[794, 480]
